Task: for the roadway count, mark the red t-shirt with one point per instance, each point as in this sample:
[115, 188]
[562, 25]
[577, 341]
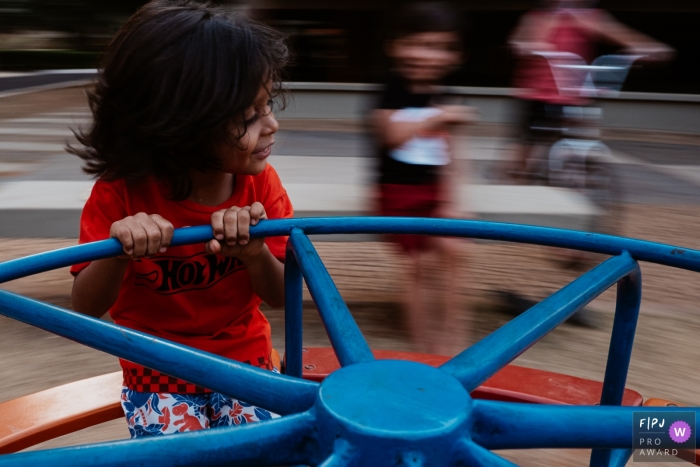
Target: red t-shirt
[534, 75]
[185, 295]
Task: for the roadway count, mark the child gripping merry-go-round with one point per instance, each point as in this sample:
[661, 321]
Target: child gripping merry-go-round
[181, 134]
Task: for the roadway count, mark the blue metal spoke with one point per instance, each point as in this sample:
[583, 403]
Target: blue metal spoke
[333, 461]
[343, 455]
[278, 393]
[346, 338]
[508, 425]
[286, 440]
[620, 457]
[485, 358]
[293, 314]
[471, 453]
[629, 299]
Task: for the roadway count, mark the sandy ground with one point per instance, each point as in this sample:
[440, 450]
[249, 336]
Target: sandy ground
[368, 275]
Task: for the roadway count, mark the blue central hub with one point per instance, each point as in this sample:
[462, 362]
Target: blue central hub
[404, 410]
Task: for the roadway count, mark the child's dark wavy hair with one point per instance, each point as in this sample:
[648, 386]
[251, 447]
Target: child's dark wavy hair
[419, 17]
[174, 78]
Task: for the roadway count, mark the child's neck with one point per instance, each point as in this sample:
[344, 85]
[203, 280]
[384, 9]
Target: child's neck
[211, 188]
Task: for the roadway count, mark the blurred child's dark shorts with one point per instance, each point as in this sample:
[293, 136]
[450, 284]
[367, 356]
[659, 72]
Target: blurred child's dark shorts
[409, 201]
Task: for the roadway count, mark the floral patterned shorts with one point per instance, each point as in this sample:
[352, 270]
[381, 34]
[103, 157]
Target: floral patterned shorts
[153, 413]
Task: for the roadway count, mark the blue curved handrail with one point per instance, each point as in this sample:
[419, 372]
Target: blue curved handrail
[640, 250]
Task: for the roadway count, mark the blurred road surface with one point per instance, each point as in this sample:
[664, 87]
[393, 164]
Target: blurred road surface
[42, 188]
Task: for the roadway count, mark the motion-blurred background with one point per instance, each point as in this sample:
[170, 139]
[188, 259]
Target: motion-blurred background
[340, 41]
[326, 159]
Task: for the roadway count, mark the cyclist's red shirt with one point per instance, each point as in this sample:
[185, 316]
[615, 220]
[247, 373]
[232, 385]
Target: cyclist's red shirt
[185, 295]
[534, 75]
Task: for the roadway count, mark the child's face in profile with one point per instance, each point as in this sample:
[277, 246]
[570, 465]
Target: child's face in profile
[426, 57]
[249, 155]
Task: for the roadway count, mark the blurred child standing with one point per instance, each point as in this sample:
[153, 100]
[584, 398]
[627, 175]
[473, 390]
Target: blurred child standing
[416, 174]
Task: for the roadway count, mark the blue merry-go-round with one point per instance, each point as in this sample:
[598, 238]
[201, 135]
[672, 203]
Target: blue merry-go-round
[356, 407]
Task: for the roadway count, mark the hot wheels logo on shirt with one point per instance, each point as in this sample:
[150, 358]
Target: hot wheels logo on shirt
[170, 275]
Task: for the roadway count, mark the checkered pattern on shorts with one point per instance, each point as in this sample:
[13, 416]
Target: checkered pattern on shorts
[147, 380]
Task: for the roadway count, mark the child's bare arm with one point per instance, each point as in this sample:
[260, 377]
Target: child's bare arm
[231, 229]
[455, 175]
[96, 288]
[393, 133]
[267, 277]
[605, 25]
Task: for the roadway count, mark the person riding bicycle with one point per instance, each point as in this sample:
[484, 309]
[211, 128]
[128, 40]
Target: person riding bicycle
[563, 26]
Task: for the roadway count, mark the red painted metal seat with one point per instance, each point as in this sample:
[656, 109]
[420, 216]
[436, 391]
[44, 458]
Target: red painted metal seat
[512, 384]
[33, 419]
[45, 415]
